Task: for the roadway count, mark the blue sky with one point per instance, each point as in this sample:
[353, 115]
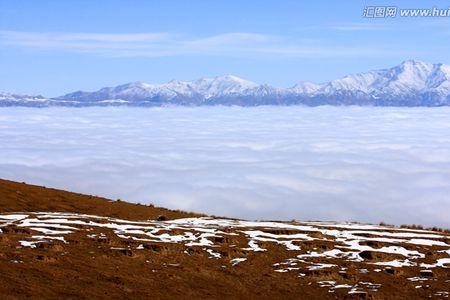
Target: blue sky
[55, 47]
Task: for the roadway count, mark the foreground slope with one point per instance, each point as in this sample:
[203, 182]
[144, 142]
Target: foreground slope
[55, 244]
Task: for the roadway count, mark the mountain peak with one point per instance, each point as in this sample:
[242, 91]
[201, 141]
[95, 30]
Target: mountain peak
[415, 66]
[305, 87]
[413, 62]
[227, 78]
[138, 84]
[230, 77]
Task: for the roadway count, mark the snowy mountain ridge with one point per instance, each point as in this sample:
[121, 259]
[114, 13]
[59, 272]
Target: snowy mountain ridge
[412, 83]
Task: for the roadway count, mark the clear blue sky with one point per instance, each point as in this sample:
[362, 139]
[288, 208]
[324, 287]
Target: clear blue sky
[52, 47]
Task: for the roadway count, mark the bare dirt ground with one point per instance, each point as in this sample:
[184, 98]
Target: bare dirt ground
[61, 245]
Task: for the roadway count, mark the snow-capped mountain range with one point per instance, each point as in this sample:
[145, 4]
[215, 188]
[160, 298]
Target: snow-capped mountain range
[412, 83]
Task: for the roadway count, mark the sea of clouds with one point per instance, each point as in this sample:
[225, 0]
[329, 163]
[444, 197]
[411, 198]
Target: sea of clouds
[327, 163]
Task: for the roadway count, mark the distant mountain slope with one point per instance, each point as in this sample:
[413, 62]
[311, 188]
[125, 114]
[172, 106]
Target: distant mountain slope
[8, 99]
[412, 83]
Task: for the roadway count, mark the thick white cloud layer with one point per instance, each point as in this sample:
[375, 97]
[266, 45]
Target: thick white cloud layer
[328, 163]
